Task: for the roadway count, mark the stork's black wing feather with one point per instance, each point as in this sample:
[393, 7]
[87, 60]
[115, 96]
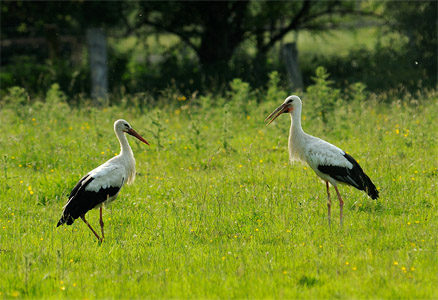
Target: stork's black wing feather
[82, 183]
[81, 201]
[354, 176]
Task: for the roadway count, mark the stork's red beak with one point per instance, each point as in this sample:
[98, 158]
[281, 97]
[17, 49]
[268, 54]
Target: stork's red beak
[134, 133]
[278, 111]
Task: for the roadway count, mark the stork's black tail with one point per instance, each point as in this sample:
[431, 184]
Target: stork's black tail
[354, 176]
[361, 180]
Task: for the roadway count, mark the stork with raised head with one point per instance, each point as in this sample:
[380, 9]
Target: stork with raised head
[102, 185]
[330, 163]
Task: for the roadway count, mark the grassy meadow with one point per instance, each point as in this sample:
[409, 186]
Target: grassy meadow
[216, 210]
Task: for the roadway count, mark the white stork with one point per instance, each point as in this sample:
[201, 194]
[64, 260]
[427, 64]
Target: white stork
[103, 184]
[329, 162]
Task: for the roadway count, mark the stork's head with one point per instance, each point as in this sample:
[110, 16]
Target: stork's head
[289, 105]
[123, 126]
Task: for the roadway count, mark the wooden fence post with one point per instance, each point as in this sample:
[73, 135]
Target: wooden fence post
[96, 40]
[290, 54]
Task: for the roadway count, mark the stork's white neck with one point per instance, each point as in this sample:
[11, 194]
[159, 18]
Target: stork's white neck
[295, 126]
[125, 149]
[296, 136]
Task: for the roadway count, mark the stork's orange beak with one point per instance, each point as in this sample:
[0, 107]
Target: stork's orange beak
[278, 111]
[134, 133]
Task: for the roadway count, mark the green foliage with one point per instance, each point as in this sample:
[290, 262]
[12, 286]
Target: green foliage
[357, 92]
[55, 95]
[385, 68]
[241, 95]
[158, 130]
[16, 96]
[275, 91]
[213, 223]
[322, 96]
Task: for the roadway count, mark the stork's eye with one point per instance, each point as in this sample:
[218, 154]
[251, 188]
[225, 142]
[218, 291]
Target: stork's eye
[126, 126]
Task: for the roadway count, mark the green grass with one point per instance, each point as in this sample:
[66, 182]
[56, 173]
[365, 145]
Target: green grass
[217, 211]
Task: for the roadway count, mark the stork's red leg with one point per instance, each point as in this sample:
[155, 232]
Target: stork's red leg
[341, 205]
[89, 226]
[329, 201]
[101, 223]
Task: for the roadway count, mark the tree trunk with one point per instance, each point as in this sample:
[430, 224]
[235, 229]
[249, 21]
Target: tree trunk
[214, 55]
[223, 32]
[290, 54]
[98, 64]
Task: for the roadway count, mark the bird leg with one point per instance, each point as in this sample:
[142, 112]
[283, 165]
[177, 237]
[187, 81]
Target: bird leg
[89, 226]
[101, 223]
[341, 205]
[329, 201]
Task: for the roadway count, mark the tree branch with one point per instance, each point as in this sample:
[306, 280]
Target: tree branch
[301, 20]
[185, 38]
[292, 25]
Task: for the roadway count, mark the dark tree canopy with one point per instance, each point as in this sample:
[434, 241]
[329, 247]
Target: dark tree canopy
[418, 21]
[215, 29]
[226, 39]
